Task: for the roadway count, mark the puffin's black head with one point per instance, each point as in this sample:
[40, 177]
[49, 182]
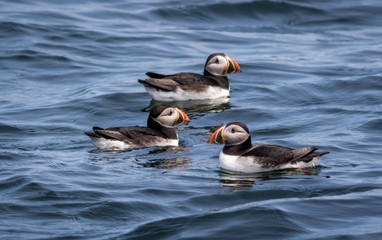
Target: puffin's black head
[158, 109]
[168, 116]
[233, 133]
[214, 55]
[219, 64]
[240, 124]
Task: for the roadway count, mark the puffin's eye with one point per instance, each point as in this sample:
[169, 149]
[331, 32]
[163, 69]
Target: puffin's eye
[167, 113]
[233, 130]
[217, 60]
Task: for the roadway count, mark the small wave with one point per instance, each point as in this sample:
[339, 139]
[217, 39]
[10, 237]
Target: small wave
[373, 126]
[268, 222]
[12, 28]
[235, 13]
[32, 56]
[6, 128]
[270, 15]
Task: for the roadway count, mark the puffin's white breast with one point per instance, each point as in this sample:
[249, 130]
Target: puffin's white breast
[108, 144]
[181, 95]
[239, 164]
[248, 165]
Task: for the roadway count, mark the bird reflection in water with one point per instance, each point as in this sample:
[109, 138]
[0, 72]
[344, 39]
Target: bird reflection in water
[167, 163]
[198, 106]
[166, 160]
[240, 181]
[145, 159]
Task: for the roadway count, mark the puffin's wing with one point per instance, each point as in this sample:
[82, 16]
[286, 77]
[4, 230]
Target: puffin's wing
[137, 132]
[193, 80]
[140, 135]
[109, 133]
[164, 84]
[126, 134]
[184, 80]
[271, 155]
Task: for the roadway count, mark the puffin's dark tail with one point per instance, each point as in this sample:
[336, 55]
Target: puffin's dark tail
[312, 155]
[306, 154]
[144, 83]
[156, 75]
[93, 134]
[321, 153]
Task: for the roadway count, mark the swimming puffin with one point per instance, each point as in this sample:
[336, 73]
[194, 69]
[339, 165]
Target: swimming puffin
[159, 131]
[192, 86]
[239, 155]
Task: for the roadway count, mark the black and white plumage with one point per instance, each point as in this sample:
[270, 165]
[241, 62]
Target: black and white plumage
[159, 131]
[239, 155]
[192, 86]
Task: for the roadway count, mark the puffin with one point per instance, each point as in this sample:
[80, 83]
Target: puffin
[239, 155]
[159, 131]
[192, 86]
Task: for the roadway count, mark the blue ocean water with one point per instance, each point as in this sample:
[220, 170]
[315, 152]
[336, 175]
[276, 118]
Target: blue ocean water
[311, 75]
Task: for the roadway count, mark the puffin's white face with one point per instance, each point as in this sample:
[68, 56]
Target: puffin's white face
[171, 116]
[234, 134]
[221, 65]
[218, 65]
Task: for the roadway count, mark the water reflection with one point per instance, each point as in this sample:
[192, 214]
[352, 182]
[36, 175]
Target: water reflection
[197, 106]
[157, 157]
[237, 181]
[166, 163]
[166, 159]
[240, 181]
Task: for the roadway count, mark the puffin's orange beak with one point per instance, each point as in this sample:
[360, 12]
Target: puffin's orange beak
[182, 117]
[233, 66]
[217, 137]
